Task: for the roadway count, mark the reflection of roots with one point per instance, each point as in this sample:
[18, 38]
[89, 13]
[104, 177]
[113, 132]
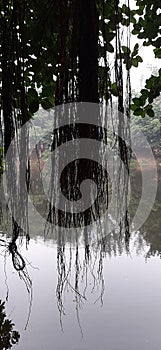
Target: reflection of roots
[81, 272]
[17, 259]
[19, 265]
[112, 243]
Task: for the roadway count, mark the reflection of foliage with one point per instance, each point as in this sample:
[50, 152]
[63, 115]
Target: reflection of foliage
[19, 265]
[8, 337]
[150, 231]
[151, 228]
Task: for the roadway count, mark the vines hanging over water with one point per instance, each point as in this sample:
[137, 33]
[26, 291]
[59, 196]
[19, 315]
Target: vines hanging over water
[57, 47]
[15, 115]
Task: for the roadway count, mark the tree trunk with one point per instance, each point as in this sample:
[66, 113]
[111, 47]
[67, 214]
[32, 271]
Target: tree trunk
[88, 52]
[7, 78]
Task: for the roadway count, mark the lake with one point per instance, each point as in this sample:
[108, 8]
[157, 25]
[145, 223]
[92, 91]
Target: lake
[107, 296]
[129, 316]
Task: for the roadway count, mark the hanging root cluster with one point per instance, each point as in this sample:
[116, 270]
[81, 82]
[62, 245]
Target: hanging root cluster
[75, 274]
[14, 117]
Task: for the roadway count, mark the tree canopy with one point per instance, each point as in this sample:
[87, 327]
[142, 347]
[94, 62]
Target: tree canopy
[41, 45]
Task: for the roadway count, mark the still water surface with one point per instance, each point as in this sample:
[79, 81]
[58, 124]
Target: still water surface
[129, 318]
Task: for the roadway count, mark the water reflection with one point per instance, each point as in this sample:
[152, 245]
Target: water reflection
[150, 231]
[8, 336]
[130, 317]
[78, 271]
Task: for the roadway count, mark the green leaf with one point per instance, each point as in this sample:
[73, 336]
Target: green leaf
[135, 32]
[139, 58]
[136, 48]
[109, 36]
[137, 101]
[146, 43]
[46, 103]
[144, 93]
[126, 49]
[157, 43]
[144, 96]
[114, 89]
[33, 106]
[135, 62]
[125, 22]
[150, 82]
[151, 96]
[32, 94]
[132, 20]
[109, 47]
[133, 107]
[140, 11]
[157, 53]
[150, 112]
[48, 91]
[125, 10]
[138, 111]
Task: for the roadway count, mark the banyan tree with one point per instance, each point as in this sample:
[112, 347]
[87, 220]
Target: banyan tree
[55, 53]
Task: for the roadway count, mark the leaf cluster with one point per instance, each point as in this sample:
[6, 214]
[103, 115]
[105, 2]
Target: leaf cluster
[147, 27]
[142, 105]
[8, 337]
